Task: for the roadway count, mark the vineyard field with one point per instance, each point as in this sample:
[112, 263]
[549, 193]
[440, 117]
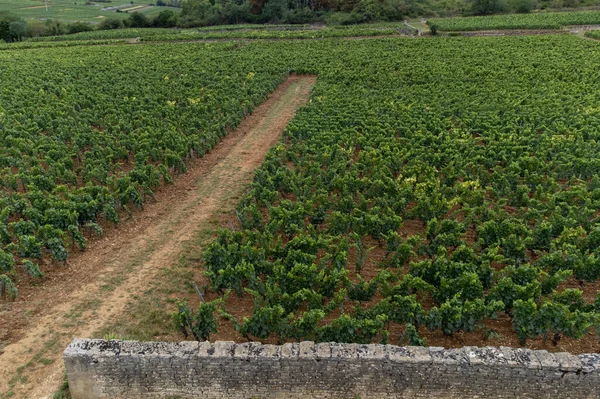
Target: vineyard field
[428, 187]
[227, 32]
[147, 33]
[556, 20]
[83, 141]
[65, 10]
[595, 34]
[427, 196]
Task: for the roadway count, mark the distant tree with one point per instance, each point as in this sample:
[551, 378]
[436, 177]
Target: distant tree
[256, 6]
[36, 28]
[524, 6]
[485, 7]
[5, 20]
[165, 19]
[55, 28]
[195, 11]
[236, 13]
[17, 30]
[77, 27]
[347, 5]
[138, 20]
[274, 10]
[110, 23]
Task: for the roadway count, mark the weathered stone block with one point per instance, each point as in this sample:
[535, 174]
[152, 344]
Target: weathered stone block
[323, 351]
[223, 349]
[408, 354]
[290, 351]
[374, 351]
[547, 360]
[307, 350]
[568, 362]
[448, 357]
[343, 351]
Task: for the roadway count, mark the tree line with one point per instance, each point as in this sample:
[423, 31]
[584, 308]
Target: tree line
[14, 29]
[196, 13]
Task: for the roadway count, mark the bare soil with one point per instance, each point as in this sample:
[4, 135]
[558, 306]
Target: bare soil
[93, 289]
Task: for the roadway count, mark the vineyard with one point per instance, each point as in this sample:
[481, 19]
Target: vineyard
[81, 145]
[424, 196]
[429, 185]
[226, 32]
[556, 20]
[65, 10]
[595, 34]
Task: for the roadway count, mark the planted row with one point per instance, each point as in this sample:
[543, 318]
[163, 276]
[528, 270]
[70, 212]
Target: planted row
[550, 20]
[428, 185]
[88, 133]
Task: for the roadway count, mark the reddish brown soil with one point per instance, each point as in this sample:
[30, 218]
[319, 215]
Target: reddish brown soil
[493, 332]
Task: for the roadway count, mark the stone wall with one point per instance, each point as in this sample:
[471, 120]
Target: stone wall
[124, 369]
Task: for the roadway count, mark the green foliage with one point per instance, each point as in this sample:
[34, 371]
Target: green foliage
[349, 329]
[17, 30]
[73, 169]
[138, 20]
[548, 20]
[522, 6]
[32, 269]
[399, 309]
[110, 23]
[411, 337]
[200, 324]
[524, 319]
[363, 290]
[467, 286]
[7, 263]
[305, 326]
[265, 320]
[8, 289]
[484, 7]
[564, 315]
[456, 315]
[520, 283]
[6, 19]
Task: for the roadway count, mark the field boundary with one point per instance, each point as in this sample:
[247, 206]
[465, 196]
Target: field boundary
[128, 369]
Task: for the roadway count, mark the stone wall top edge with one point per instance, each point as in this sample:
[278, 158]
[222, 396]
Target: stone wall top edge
[472, 356]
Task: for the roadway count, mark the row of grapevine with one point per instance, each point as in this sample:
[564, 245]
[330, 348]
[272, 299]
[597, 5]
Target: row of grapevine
[130, 33]
[428, 185]
[550, 20]
[159, 34]
[87, 134]
[594, 34]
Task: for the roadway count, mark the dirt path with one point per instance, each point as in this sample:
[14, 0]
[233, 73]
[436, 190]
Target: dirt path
[96, 286]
